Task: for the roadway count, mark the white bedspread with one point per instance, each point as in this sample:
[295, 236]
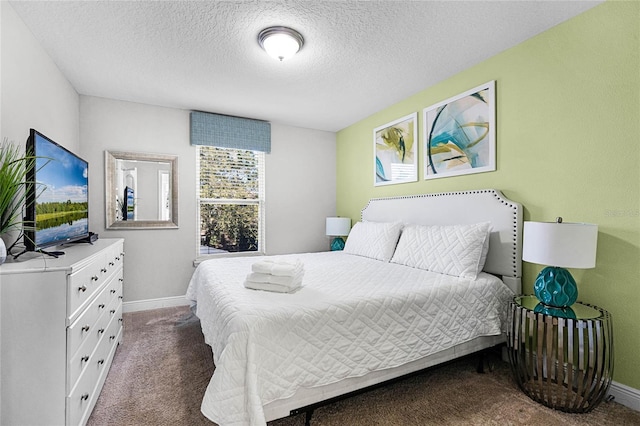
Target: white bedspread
[352, 315]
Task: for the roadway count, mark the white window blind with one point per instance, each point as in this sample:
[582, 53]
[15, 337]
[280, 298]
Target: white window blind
[231, 200]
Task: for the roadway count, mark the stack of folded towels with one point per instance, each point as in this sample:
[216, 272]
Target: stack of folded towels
[275, 275]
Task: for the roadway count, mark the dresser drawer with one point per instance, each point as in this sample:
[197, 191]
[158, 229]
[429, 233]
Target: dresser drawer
[115, 257]
[85, 393]
[114, 288]
[113, 332]
[82, 396]
[86, 354]
[83, 285]
[85, 327]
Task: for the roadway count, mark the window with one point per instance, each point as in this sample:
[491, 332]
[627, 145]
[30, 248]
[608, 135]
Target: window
[231, 200]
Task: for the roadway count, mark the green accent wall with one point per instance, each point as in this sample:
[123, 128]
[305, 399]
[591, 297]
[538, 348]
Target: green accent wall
[568, 144]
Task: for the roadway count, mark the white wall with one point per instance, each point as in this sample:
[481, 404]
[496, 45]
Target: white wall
[34, 93]
[300, 190]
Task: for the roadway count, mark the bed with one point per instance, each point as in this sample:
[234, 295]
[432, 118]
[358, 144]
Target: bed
[387, 306]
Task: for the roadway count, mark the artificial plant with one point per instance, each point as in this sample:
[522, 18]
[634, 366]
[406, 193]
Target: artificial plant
[14, 186]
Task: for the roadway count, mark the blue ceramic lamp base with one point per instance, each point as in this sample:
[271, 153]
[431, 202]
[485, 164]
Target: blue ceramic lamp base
[555, 287]
[337, 244]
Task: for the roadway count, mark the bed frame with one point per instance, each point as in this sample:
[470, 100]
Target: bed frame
[449, 208]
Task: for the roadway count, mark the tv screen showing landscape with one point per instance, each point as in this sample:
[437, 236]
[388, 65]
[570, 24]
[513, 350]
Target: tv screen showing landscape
[129, 212]
[61, 209]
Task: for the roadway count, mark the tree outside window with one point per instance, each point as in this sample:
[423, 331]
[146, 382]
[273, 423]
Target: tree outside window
[231, 198]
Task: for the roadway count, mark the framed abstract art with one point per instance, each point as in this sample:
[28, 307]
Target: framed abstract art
[395, 151]
[460, 134]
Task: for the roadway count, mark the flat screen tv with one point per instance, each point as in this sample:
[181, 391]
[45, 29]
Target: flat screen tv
[128, 212]
[58, 204]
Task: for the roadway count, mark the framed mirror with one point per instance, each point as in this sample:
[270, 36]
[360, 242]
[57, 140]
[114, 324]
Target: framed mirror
[141, 190]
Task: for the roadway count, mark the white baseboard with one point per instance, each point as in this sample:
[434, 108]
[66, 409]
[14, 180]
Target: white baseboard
[625, 395]
[145, 305]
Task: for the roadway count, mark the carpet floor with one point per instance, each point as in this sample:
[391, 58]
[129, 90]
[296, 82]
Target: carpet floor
[160, 372]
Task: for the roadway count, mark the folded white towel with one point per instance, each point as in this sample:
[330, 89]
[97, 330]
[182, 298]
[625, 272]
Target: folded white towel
[258, 277]
[262, 267]
[278, 268]
[270, 287]
[287, 270]
[275, 275]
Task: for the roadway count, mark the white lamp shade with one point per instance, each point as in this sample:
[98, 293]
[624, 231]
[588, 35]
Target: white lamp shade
[338, 226]
[567, 245]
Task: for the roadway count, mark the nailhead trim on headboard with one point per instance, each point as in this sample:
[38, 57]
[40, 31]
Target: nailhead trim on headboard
[497, 195]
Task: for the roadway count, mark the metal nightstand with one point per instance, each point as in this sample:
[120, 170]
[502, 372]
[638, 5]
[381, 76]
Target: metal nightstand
[561, 358]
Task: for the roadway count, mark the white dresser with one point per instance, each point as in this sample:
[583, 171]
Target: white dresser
[61, 324]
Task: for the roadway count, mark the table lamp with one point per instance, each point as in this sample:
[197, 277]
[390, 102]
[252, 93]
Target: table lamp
[559, 245]
[338, 227]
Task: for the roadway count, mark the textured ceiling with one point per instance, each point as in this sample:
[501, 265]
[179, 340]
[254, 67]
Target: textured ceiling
[359, 56]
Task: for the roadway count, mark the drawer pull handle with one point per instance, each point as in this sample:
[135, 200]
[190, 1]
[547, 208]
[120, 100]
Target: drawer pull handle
[117, 257]
[103, 270]
[112, 291]
[120, 297]
[84, 397]
[94, 278]
[84, 358]
[120, 319]
[82, 288]
[101, 306]
[113, 311]
[111, 263]
[100, 361]
[85, 328]
[112, 337]
[122, 254]
[101, 331]
[121, 279]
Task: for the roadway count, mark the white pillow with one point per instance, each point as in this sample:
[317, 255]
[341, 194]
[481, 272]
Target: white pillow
[376, 240]
[458, 250]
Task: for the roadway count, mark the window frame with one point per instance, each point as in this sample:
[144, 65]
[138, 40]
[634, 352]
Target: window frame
[260, 202]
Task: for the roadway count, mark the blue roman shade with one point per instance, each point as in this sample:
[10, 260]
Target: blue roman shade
[226, 131]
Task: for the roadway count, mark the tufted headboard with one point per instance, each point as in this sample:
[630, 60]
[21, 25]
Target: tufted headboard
[464, 207]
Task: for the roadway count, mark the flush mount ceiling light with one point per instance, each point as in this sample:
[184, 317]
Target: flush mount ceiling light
[280, 42]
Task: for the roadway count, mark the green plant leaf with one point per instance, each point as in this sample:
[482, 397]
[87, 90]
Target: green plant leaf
[14, 186]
